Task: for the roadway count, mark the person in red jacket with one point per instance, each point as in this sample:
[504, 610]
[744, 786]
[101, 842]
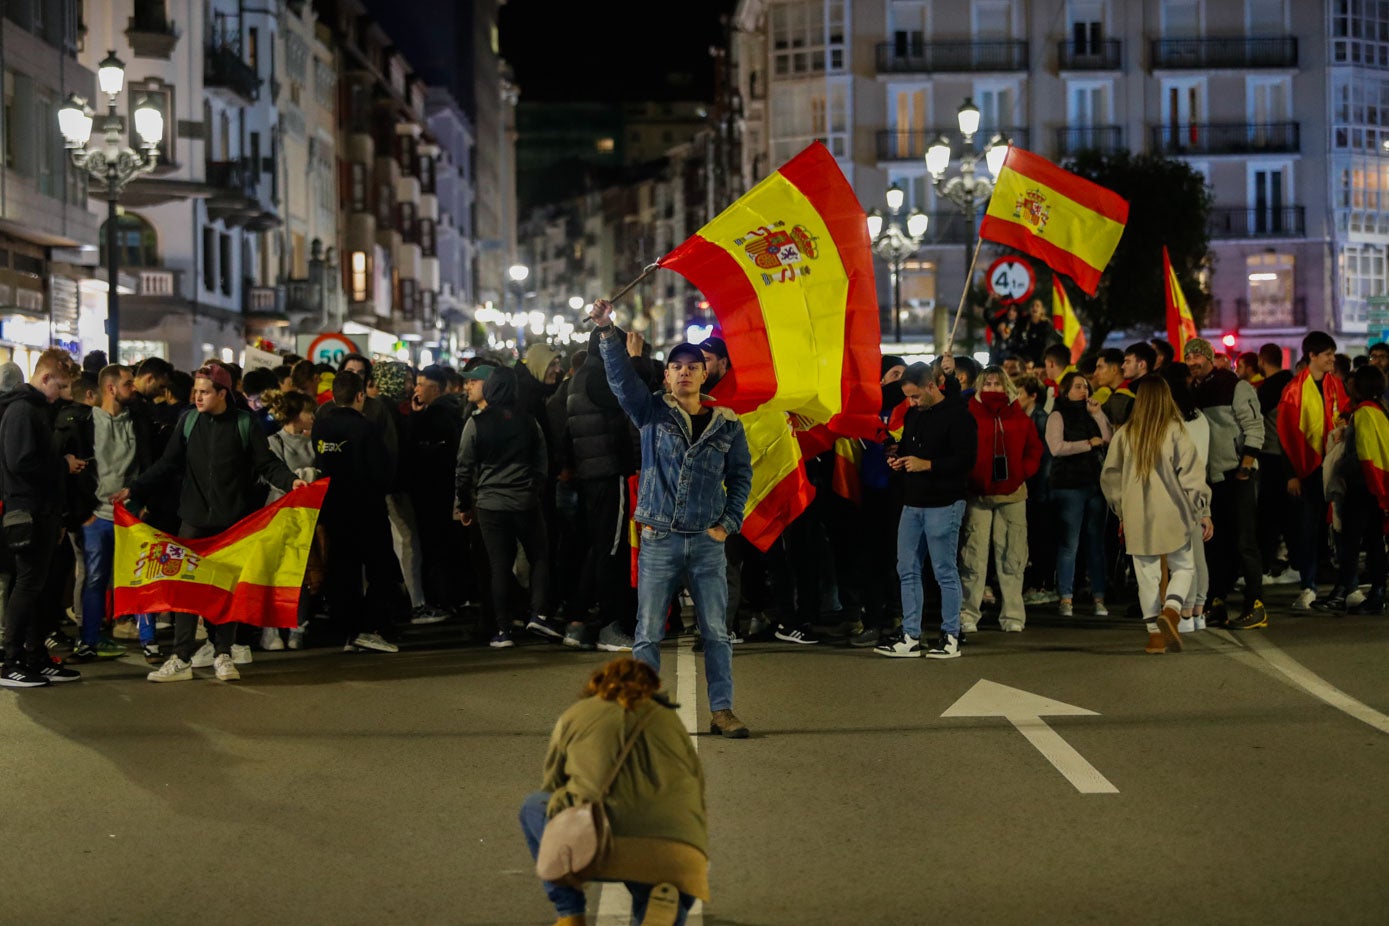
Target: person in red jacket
[1010, 453]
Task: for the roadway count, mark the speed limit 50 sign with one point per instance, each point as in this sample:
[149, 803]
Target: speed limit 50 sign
[331, 348]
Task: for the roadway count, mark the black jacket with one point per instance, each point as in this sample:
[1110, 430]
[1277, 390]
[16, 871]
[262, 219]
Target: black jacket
[75, 433]
[602, 439]
[33, 472]
[219, 470]
[351, 451]
[947, 435]
[431, 452]
[501, 458]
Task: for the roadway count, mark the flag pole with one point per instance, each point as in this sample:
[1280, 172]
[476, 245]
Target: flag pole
[645, 272]
[964, 296]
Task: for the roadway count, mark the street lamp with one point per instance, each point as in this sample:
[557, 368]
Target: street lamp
[112, 164]
[895, 245]
[968, 191]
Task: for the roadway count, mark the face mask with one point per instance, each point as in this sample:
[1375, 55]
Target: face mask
[995, 402]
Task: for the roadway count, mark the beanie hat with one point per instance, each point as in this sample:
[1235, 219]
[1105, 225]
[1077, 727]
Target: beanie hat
[1199, 346]
[393, 379]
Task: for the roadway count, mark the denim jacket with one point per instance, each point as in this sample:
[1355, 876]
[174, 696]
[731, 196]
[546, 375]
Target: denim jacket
[686, 486]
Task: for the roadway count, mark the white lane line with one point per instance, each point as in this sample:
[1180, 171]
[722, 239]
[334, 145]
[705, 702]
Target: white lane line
[614, 900]
[1081, 774]
[1312, 683]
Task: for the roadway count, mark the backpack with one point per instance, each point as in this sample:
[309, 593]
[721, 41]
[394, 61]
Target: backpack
[244, 423]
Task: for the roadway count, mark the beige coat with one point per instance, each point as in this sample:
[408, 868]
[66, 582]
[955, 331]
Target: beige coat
[1159, 512]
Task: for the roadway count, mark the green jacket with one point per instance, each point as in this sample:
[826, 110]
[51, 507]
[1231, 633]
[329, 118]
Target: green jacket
[660, 790]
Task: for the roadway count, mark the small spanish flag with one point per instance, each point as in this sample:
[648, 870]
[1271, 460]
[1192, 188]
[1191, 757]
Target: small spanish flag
[1181, 327]
[1069, 223]
[1063, 317]
[1371, 428]
[1306, 414]
[251, 573]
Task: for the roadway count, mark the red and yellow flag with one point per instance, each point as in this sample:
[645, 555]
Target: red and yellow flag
[788, 271]
[1306, 414]
[1069, 223]
[1181, 327]
[1371, 428]
[1063, 317]
[251, 573]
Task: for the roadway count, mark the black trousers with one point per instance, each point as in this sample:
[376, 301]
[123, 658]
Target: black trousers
[33, 594]
[1234, 549]
[1362, 525]
[1275, 509]
[221, 636]
[501, 531]
[360, 547]
[607, 568]
[440, 537]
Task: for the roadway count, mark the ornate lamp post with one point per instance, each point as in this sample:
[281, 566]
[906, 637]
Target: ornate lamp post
[894, 245]
[968, 191]
[112, 164]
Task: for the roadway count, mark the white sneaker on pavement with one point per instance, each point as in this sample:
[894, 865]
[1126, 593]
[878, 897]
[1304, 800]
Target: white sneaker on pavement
[226, 668]
[241, 655]
[1305, 599]
[173, 670]
[204, 656]
[1355, 598]
[270, 639]
[1200, 621]
[373, 642]
[1186, 625]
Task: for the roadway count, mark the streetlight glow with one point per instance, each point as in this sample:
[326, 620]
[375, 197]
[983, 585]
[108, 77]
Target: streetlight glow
[994, 155]
[576, 302]
[75, 121]
[968, 117]
[895, 196]
[875, 223]
[518, 272]
[110, 76]
[916, 224]
[938, 156]
[894, 245]
[149, 123]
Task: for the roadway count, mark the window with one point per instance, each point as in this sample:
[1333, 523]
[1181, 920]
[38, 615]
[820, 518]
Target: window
[1270, 193]
[1362, 275]
[253, 49]
[428, 246]
[993, 20]
[209, 259]
[224, 262]
[1088, 103]
[1362, 202]
[358, 192]
[359, 276]
[1087, 27]
[19, 123]
[910, 26]
[910, 116]
[1360, 32]
[1270, 280]
[1181, 19]
[1270, 101]
[327, 186]
[224, 125]
[997, 104]
[46, 119]
[803, 113]
[385, 206]
[136, 242]
[604, 145]
[1360, 111]
[1266, 17]
[1183, 103]
[407, 221]
[807, 37]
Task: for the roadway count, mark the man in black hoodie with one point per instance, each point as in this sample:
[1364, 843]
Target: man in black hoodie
[498, 480]
[34, 477]
[351, 452]
[220, 451]
[936, 453]
[1274, 510]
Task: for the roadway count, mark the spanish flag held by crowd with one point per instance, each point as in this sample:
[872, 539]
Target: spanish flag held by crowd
[251, 573]
[788, 271]
[1306, 415]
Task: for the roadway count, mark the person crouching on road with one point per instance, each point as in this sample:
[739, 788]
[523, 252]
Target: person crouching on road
[656, 803]
[219, 451]
[1009, 454]
[1155, 481]
[696, 474]
[937, 450]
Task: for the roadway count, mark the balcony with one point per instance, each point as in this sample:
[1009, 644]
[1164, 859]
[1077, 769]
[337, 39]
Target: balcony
[261, 301]
[303, 297]
[1105, 139]
[1280, 222]
[1107, 55]
[157, 282]
[150, 32]
[946, 57]
[910, 145]
[228, 77]
[1228, 138]
[234, 191]
[1234, 52]
[1265, 315]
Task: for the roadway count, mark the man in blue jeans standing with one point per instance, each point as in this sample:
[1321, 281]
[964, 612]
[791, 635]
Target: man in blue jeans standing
[935, 454]
[696, 474]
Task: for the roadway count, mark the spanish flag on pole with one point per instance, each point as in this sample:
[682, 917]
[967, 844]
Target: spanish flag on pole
[1307, 413]
[788, 271]
[1069, 223]
[251, 573]
[1181, 327]
[1063, 317]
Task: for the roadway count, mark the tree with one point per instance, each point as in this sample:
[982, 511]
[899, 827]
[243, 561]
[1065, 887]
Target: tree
[1169, 204]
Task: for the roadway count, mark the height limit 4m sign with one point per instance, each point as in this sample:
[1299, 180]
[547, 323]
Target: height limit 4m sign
[1010, 279]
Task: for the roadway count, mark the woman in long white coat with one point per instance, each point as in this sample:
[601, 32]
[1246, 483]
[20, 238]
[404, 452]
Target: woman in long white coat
[1155, 481]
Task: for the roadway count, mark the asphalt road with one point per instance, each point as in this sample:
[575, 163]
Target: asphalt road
[1239, 782]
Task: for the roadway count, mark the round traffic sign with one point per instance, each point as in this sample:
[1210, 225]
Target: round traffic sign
[1011, 280]
[331, 348]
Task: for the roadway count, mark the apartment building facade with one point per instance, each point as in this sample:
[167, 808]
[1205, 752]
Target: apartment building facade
[1275, 102]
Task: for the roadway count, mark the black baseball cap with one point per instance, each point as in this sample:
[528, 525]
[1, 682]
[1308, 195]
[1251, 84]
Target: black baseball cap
[715, 346]
[685, 349]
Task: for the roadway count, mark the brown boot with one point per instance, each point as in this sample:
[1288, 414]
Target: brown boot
[1167, 623]
[730, 726]
[578, 919]
[1156, 644]
[663, 905]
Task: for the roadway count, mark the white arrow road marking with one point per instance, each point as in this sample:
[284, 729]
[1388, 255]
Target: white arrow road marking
[614, 900]
[1024, 711]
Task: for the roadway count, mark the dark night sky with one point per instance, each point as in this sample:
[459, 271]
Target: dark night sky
[561, 50]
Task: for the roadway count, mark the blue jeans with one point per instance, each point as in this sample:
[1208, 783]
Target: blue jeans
[935, 531]
[665, 561]
[98, 554]
[569, 901]
[1080, 509]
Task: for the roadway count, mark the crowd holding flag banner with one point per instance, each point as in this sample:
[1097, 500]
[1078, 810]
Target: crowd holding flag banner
[1181, 326]
[1063, 316]
[788, 271]
[251, 573]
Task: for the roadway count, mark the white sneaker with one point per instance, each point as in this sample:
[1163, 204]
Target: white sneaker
[173, 670]
[1100, 609]
[1186, 625]
[226, 668]
[1305, 599]
[947, 647]
[898, 644]
[374, 642]
[270, 640]
[1066, 608]
[201, 633]
[241, 655]
[968, 628]
[1286, 577]
[1010, 625]
[1355, 598]
[204, 656]
[1200, 621]
[296, 638]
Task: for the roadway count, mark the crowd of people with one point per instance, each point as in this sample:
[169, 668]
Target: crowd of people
[575, 498]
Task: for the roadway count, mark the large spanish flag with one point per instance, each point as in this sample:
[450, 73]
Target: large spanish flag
[251, 573]
[788, 271]
[1371, 428]
[1067, 222]
[1306, 414]
[1181, 327]
[1063, 318]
